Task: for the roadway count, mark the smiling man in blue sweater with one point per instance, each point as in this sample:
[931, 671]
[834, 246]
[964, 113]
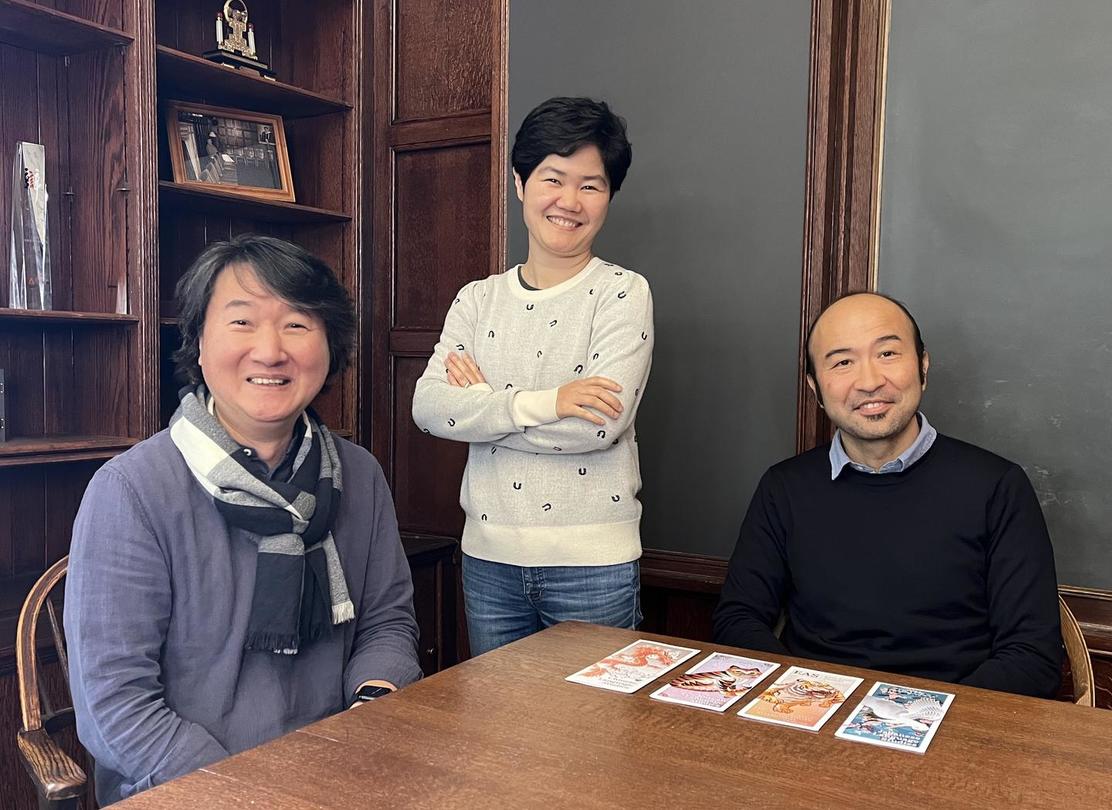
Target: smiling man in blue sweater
[894, 547]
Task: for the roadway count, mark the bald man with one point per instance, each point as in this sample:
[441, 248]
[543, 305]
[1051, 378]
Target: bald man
[894, 547]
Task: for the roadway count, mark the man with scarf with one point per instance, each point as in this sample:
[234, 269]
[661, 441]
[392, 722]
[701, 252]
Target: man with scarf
[240, 574]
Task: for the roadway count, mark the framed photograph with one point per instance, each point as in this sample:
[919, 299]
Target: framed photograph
[229, 150]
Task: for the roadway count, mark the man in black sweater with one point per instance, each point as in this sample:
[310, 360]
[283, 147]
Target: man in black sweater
[894, 547]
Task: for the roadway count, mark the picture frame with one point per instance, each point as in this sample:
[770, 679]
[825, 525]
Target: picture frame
[232, 151]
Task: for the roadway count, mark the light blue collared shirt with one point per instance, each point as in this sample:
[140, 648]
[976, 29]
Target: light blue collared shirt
[918, 449]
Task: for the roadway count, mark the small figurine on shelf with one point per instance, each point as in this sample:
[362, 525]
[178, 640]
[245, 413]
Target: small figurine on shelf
[235, 41]
[29, 263]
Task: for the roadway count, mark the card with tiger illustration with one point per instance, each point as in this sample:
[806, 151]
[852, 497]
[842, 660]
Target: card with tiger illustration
[716, 683]
[633, 666]
[801, 698]
[897, 717]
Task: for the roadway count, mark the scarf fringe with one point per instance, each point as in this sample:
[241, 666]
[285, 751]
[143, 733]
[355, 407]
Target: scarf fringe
[281, 643]
[343, 612]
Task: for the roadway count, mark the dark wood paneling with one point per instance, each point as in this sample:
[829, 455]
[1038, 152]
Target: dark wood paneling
[22, 353]
[100, 182]
[101, 362]
[847, 47]
[54, 372]
[434, 562]
[316, 146]
[37, 508]
[413, 342]
[105, 12]
[427, 470]
[439, 247]
[443, 57]
[432, 233]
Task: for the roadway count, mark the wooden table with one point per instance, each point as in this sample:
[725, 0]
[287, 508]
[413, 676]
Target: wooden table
[506, 730]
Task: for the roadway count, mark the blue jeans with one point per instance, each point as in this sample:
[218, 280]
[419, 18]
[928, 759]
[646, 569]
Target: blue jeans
[508, 602]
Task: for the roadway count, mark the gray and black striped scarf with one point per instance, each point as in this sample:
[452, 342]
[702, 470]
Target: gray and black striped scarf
[300, 589]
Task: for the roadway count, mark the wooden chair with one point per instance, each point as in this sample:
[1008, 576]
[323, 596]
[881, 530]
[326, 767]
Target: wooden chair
[59, 782]
[1077, 651]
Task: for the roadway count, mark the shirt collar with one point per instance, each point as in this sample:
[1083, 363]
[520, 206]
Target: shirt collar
[284, 471]
[839, 460]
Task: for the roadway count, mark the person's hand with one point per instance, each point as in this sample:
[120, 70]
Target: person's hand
[462, 370]
[596, 393]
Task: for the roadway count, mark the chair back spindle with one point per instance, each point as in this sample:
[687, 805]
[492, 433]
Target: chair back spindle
[59, 781]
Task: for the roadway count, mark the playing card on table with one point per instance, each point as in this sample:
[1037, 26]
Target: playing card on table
[801, 698]
[897, 717]
[717, 682]
[633, 666]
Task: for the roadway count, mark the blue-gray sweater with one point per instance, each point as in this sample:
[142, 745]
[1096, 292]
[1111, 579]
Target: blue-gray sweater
[157, 601]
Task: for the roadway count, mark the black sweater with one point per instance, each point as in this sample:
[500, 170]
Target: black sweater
[944, 570]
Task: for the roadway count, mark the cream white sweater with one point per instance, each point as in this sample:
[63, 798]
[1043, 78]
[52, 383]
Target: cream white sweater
[540, 490]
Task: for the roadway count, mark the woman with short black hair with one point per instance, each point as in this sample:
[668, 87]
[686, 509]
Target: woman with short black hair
[540, 370]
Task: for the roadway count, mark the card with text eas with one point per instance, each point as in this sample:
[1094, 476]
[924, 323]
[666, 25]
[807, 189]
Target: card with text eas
[801, 698]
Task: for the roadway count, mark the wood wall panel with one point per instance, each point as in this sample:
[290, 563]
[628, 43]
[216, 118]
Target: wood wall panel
[432, 216]
[100, 364]
[58, 414]
[314, 144]
[842, 183]
[439, 247]
[51, 370]
[444, 57]
[21, 355]
[100, 181]
[427, 470]
[105, 12]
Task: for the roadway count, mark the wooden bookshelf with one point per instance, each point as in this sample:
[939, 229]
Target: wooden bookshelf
[93, 377]
[209, 201]
[57, 316]
[185, 76]
[57, 449]
[37, 28]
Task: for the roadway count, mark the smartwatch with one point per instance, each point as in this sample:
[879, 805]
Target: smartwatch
[369, 693]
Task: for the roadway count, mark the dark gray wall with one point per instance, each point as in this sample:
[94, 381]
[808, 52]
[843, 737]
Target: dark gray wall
[996, 221]
[715, 96]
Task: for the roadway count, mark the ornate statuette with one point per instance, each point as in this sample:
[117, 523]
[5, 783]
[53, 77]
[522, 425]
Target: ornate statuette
[29, 280]
[235, 41]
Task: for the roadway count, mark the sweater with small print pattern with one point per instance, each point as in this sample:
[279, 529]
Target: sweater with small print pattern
[540, 490]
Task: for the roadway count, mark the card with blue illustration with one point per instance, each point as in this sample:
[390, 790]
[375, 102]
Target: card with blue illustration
[897, 717]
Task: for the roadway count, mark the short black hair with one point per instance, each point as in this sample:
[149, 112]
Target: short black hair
[561, 126]
[920, 347]
[284, 269]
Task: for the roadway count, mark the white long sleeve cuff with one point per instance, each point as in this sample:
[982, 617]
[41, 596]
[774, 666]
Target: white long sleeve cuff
[533, 408]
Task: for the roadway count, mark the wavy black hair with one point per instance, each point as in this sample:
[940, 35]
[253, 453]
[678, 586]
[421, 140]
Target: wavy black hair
[284, 269]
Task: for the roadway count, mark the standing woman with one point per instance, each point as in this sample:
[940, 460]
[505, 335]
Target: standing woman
[540, 369]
